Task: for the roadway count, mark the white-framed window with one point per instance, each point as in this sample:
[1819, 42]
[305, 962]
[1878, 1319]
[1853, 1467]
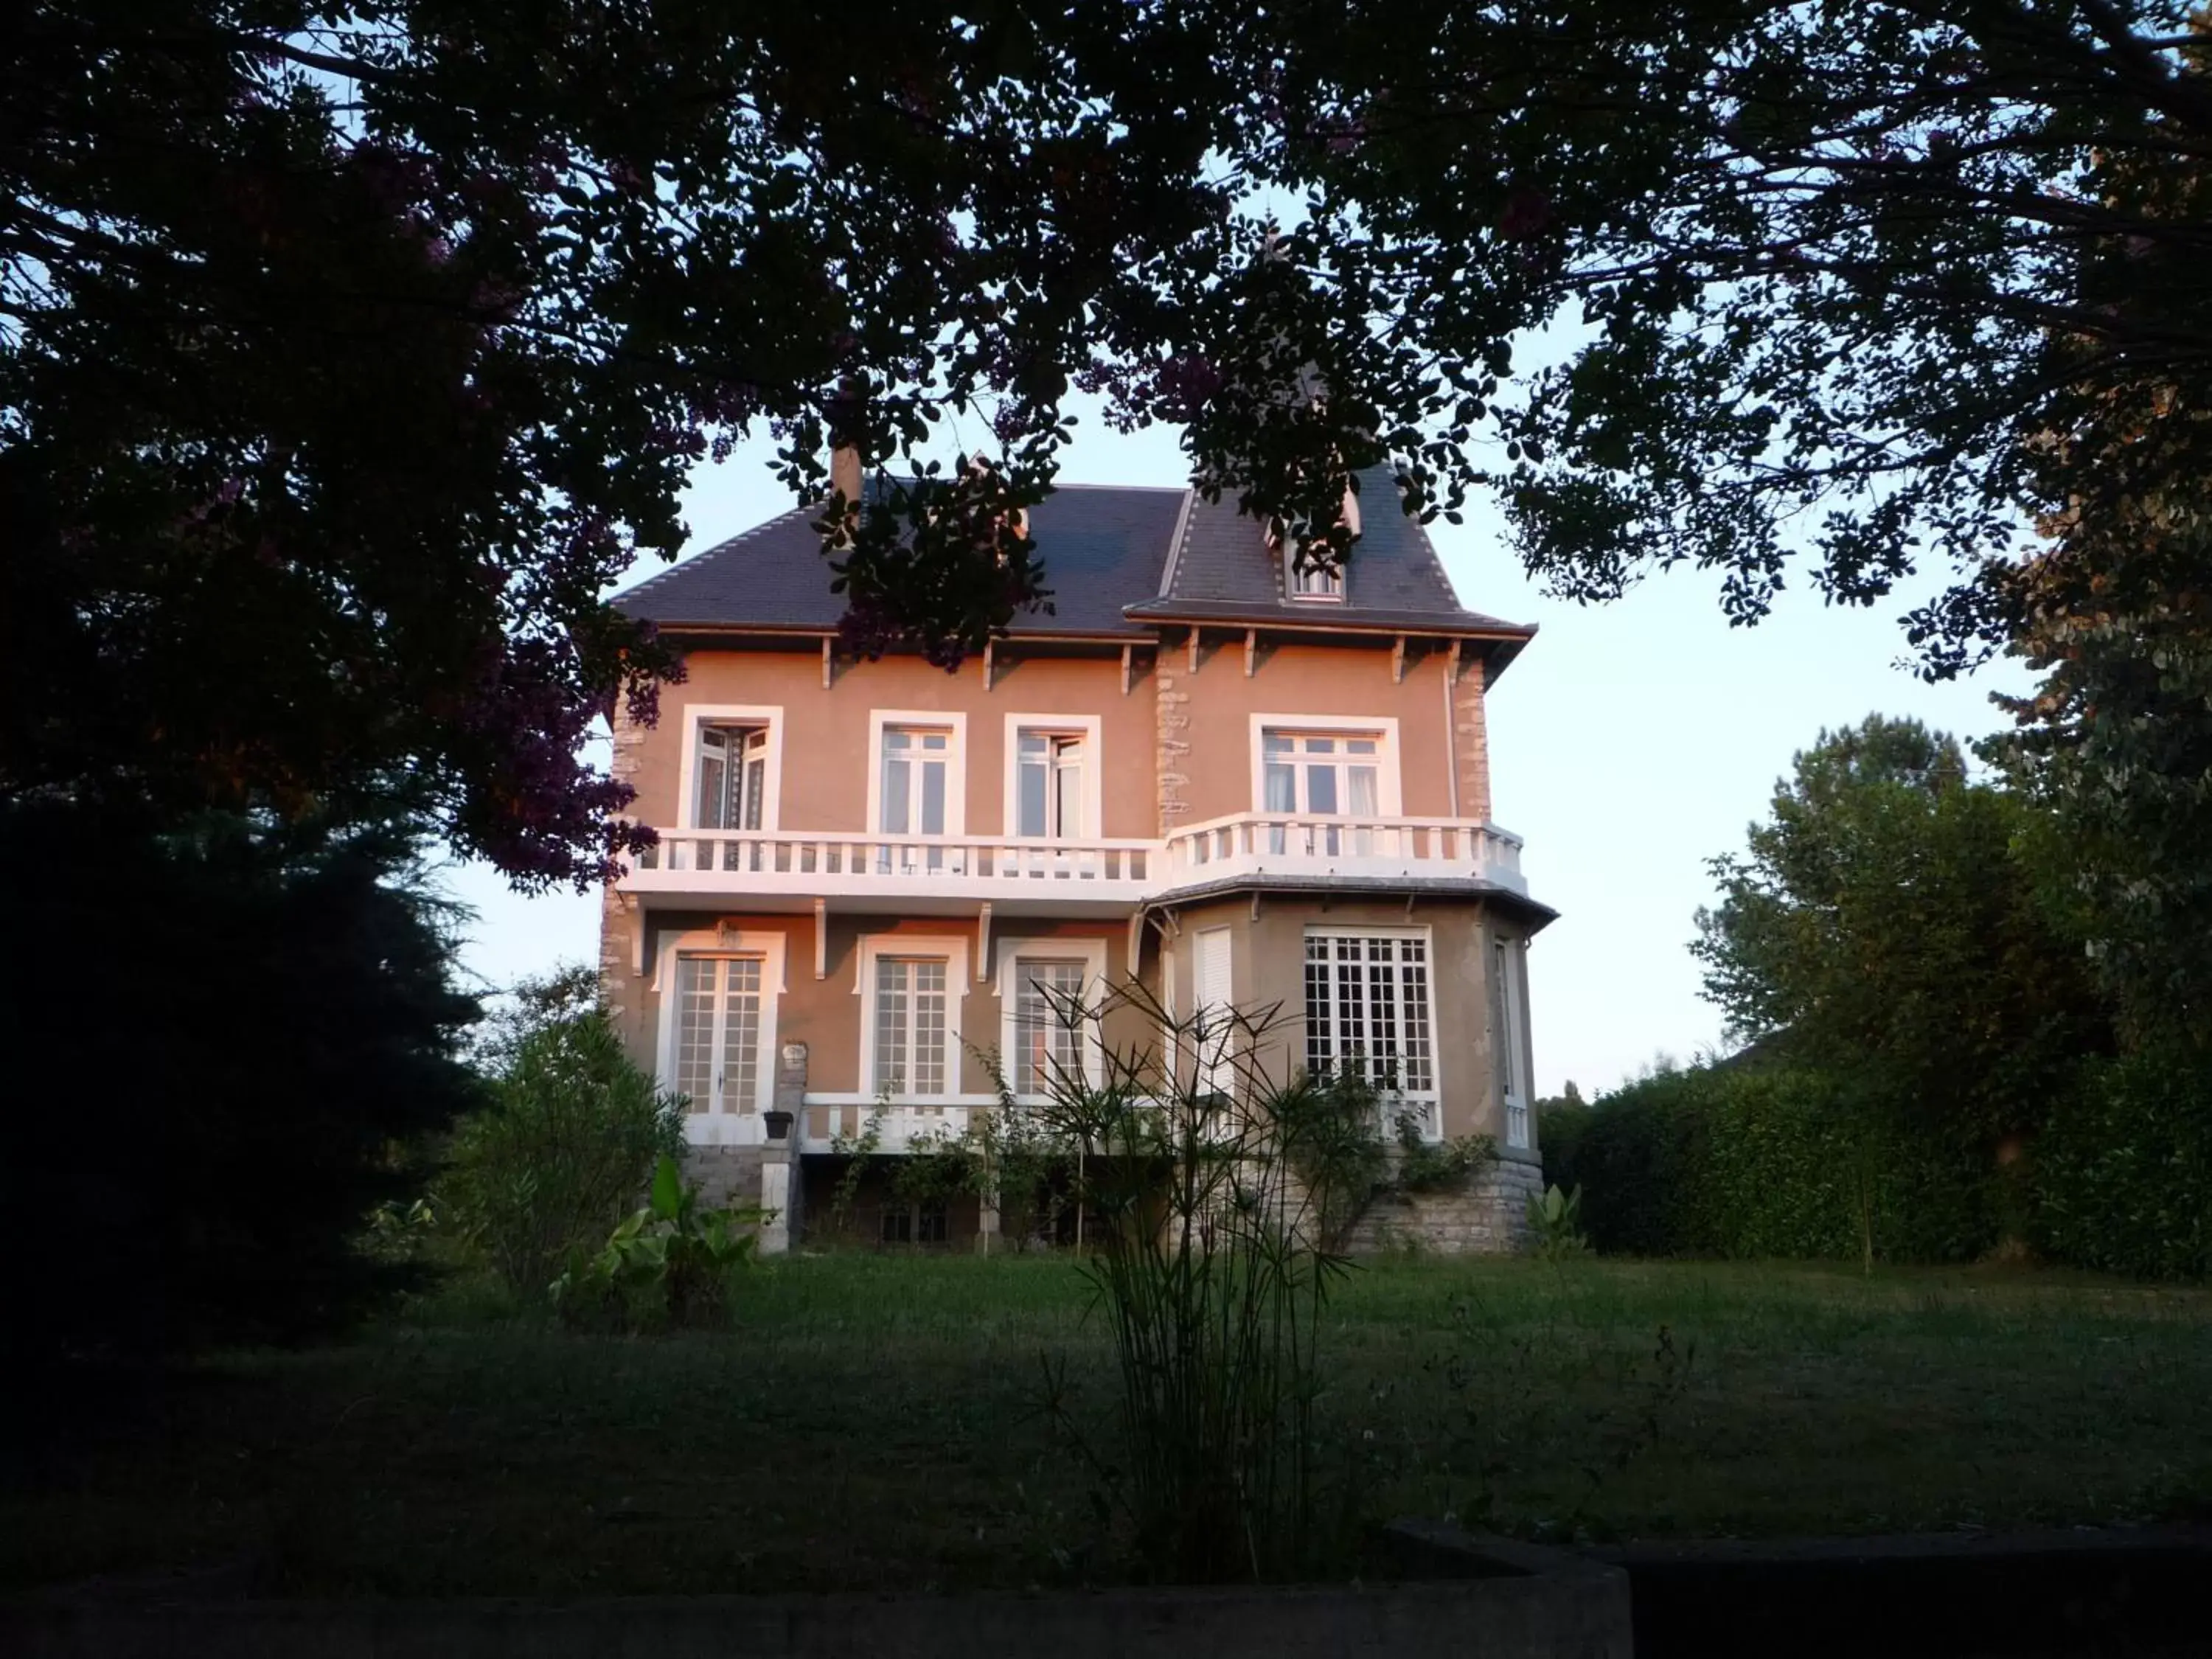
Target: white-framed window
[911, 1026]
[1508, 1036]
[1212, 1000]
[910, 989]
[732, 780]
[1325, 766]
[1053, 777]
[1311, 581]
[719, 994]
[917, 777]
[1368, 1010]
[1321, 773]
[1046, 988]
[732, 767]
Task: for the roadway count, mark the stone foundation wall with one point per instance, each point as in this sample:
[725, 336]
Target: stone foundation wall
[1486, 1215]
[726, 1175]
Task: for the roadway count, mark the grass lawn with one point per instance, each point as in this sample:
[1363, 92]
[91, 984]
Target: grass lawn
[874, 1422]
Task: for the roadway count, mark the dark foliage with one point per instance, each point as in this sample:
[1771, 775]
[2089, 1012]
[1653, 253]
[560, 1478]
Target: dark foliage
[227, 1040]
[1772, 1161]
[2122, 1177]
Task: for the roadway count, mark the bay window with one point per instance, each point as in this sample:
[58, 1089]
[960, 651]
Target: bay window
[1368, 1012]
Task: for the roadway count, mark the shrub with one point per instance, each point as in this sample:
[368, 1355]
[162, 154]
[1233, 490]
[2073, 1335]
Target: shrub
[669, 1266]
[1555, 1223]
[1770, 1160]
[569, 1142]
[2122, 1174]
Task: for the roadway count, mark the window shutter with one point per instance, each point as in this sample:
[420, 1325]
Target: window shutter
[1210, 1001]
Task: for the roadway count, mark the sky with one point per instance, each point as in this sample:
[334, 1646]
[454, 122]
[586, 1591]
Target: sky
[1629, 744]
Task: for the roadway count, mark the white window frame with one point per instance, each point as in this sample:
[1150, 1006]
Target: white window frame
[955, 767]
[699, 715]
[1509, 959]
[1091, 953]
[1431, 1099]
[953, 948]
[1085, 727]
[1389, 794]
[711, 1127]
[1331, 594]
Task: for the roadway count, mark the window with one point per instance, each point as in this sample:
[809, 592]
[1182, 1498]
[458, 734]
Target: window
[718, 1023]
[1311, 581]
[1322, 773]
[731, 777]
[910, 1026]
[1048, 1024]
[732, 772]
[718, 991]
[1367, 1010]
[910, 986]
[915, 782]
[1053, 777]
[1042, 981]
[914, 1223]
[1048, 790]
[916, 785]
[1508, 1028]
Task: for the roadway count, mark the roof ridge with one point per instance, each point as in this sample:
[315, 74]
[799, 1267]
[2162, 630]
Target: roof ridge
[1175, 543]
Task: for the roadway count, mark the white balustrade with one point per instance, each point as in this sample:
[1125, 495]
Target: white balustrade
[1293, 844]
[988, 866]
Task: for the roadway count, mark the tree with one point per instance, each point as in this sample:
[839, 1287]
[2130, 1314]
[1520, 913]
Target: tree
[347, 354]
[1845, 272]
[1884, 928]
[230, 1043]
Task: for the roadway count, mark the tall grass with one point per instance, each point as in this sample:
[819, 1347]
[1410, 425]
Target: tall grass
[1203, 1180]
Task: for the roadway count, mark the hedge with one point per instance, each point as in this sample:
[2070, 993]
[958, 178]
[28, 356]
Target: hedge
[2122, 1176]
[1772, 1161]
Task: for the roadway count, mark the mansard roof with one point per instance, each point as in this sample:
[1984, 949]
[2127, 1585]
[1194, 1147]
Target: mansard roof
[1122, 562]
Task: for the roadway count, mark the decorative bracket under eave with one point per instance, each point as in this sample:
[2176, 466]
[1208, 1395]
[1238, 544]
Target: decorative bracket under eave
[827, 670]
[982, 942]
[822, 938]
[1191, 646]
[1398, 661]
[1451, 665]
[1251, 651]
[1136, 938]
[990, 662]
[1129, 657]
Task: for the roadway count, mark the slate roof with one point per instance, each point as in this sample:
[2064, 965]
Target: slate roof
[1120, 560]
[1103, 546]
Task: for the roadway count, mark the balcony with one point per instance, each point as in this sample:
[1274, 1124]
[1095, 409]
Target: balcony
[1266, 846]
[908, 872]
[943, 874]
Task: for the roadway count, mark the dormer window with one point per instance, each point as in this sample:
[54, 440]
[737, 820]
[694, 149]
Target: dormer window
[1312, 581]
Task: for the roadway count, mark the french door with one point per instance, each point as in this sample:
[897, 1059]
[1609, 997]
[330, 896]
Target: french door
[718, 1029]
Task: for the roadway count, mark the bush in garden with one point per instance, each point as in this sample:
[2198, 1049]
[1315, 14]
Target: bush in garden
[670, 1265]
[568, 1143]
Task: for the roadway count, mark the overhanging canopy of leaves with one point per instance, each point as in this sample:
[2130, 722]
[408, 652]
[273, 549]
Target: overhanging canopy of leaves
[347, 353]
[1842, 271]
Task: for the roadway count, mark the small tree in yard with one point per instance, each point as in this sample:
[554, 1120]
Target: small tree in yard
[569, 1141]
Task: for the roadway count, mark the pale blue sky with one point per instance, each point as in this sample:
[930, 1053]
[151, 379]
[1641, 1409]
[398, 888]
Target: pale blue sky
[1629, 744]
